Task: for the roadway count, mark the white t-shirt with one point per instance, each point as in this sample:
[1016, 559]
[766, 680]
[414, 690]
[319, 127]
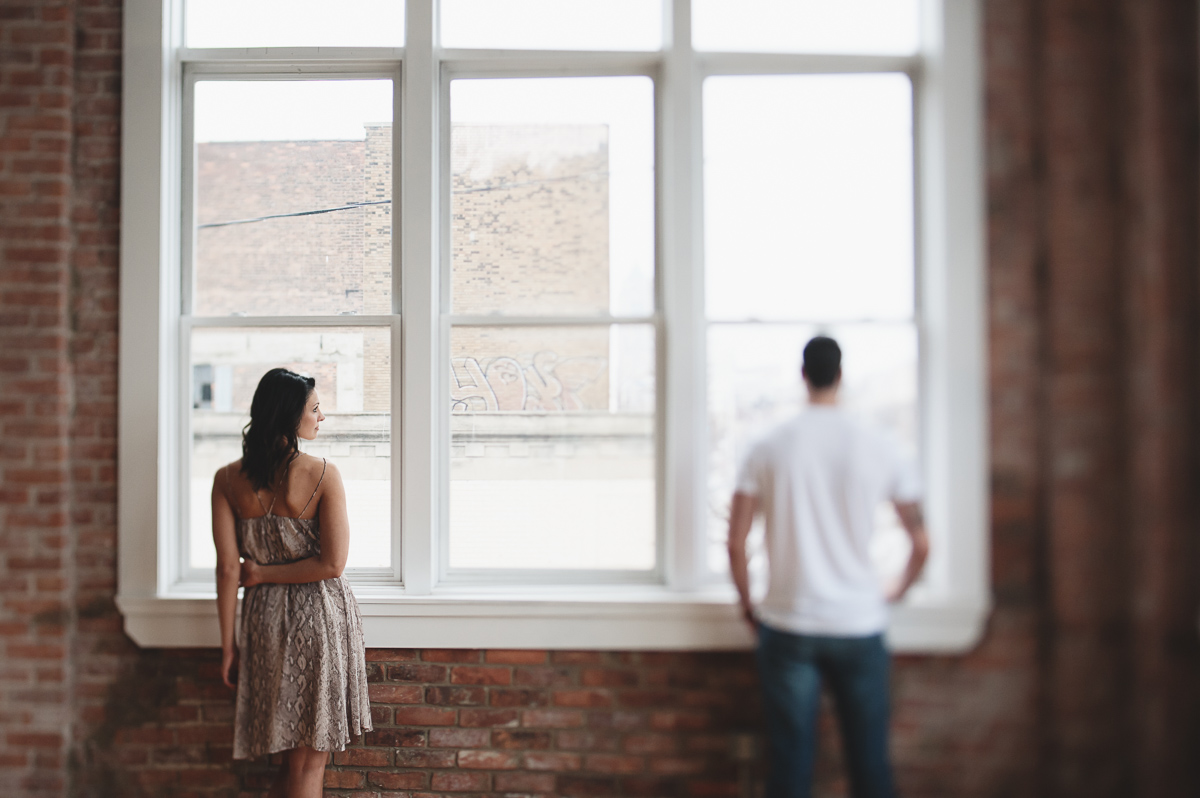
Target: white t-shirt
[819, 479]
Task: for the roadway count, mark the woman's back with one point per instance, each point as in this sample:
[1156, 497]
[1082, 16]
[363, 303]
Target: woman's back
[276, 528]
[297, 495]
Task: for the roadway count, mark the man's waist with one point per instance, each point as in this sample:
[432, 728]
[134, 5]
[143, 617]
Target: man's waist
[847, 615]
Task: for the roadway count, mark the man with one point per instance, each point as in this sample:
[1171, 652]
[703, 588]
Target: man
[818, 480]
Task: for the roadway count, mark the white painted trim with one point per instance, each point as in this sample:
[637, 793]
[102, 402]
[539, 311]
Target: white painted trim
[811, 321]
[420, 434]
[680, 277]
[294, 55]
[802, 64]
[349, 320]
[517, 63]
[497, 320]
[640, 619]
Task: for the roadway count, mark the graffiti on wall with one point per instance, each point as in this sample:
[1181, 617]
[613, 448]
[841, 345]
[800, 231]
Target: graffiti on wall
[546, 383]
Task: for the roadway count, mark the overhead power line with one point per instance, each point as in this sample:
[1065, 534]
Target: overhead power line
[356, 205]
[349, 207]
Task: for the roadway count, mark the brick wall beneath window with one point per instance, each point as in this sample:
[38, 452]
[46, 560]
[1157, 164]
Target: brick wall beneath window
[1085, 683]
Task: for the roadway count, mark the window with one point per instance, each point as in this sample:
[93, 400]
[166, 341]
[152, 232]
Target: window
[808, 202]
[551, 271]
[286, 232]
[552, 427]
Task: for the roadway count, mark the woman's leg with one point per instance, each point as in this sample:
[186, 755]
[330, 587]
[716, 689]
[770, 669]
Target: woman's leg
[306, 772]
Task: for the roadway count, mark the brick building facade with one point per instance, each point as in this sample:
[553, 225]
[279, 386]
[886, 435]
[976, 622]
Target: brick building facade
[1085, 683]
[529, 234]
[303, 228]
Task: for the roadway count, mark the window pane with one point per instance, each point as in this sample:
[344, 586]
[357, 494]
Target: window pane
[811, 26]
[553, 24]
[552, 186]
[808, 193]
[754, 383]
[294, 23]
[552, 448]
[293, 197]
[352, 367]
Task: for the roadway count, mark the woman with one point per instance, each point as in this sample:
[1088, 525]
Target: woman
[299, 658]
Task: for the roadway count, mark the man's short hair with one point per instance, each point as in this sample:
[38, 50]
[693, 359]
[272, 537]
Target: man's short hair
[822, 361]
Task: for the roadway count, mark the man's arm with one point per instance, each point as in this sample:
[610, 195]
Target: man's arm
[741, 516]
[914, 524]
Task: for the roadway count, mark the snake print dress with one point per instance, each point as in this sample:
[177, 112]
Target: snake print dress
[303, 675]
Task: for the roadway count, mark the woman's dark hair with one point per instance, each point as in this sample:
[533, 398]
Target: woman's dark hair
[822, 361]
[269, 441]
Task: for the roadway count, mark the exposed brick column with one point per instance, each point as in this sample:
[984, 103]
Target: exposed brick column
[1161, 303]
[36, 97]
[1118, 113]
[1016, 277]
[99, 642]
[1088, 558]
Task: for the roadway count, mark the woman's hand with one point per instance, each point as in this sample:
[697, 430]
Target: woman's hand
[229, 664]
[251, 574]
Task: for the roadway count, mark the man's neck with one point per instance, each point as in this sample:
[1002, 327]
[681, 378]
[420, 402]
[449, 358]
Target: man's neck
[824, 398]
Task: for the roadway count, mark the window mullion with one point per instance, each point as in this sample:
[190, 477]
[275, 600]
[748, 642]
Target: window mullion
[681, 300]
[420, 357]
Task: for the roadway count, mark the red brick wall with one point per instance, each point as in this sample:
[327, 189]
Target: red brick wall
[59, 106]
[572, 723]
[1085, 684]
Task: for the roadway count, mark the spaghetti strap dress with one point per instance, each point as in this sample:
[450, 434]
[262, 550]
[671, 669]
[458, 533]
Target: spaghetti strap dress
[302, 673]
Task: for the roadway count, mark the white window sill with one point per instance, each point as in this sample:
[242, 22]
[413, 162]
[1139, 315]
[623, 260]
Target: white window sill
[618, 618]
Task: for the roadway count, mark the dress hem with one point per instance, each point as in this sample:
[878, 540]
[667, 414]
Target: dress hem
[343, 745]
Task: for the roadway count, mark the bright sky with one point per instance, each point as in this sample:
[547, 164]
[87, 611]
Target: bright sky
[808, 197]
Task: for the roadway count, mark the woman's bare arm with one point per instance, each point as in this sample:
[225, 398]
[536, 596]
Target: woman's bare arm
[228, 569]
[335, 542]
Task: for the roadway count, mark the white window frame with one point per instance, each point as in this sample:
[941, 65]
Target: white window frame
[683, 609]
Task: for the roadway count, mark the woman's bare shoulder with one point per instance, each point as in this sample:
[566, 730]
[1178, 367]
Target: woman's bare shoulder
[313, 468]
[229, 471]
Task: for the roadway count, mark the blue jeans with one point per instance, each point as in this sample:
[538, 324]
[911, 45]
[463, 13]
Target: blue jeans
[791, 668]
